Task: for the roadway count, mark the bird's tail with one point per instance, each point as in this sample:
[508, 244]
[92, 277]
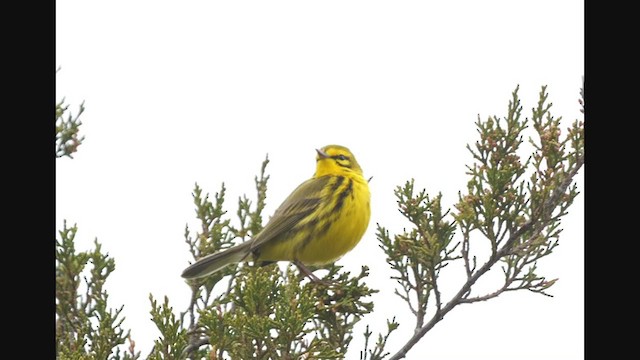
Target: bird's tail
[214, 262]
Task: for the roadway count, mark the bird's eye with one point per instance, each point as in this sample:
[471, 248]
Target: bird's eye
[341, 157]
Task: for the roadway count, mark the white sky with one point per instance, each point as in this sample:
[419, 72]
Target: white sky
[201, 91]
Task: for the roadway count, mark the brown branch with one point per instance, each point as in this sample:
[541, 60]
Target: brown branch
[194, 342]
[466, 246]
[436, 291]
[418, 288]
[456, 300]
[504, 288]
[547, 208]
[195, 345]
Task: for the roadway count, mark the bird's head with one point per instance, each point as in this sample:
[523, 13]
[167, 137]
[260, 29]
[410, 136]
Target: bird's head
[335, 160]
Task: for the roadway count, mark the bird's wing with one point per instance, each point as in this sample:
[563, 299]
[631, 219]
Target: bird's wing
[303, 201]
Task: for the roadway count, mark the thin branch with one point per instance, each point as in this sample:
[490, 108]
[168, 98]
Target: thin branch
[195, 345]
[547, 208]
[456, 300]
[465, 255]
[418, 290]
[436, 292]
[492, 295]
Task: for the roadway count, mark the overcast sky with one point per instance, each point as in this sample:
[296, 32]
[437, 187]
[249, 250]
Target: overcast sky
[201, 91]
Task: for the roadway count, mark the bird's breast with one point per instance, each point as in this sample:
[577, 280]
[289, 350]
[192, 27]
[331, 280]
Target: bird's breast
[341, 221]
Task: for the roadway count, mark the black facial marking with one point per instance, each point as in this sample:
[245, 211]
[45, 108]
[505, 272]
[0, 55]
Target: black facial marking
[340, 158]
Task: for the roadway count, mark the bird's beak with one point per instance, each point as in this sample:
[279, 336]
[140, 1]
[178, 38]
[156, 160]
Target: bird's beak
[322, 154]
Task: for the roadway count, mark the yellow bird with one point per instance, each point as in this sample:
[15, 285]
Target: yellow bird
[320, 221]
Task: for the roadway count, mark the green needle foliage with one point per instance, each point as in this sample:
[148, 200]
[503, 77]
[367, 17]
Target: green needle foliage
[272, 315]
[86, 329]
[521, 184]
[263, 312]
[67, 130]
[173, 339]
[418, 256]
[511, 210]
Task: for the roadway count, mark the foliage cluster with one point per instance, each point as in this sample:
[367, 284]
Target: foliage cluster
[511, 210]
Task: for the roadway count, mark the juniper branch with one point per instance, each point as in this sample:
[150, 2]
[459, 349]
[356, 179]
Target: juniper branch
[533, 225]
